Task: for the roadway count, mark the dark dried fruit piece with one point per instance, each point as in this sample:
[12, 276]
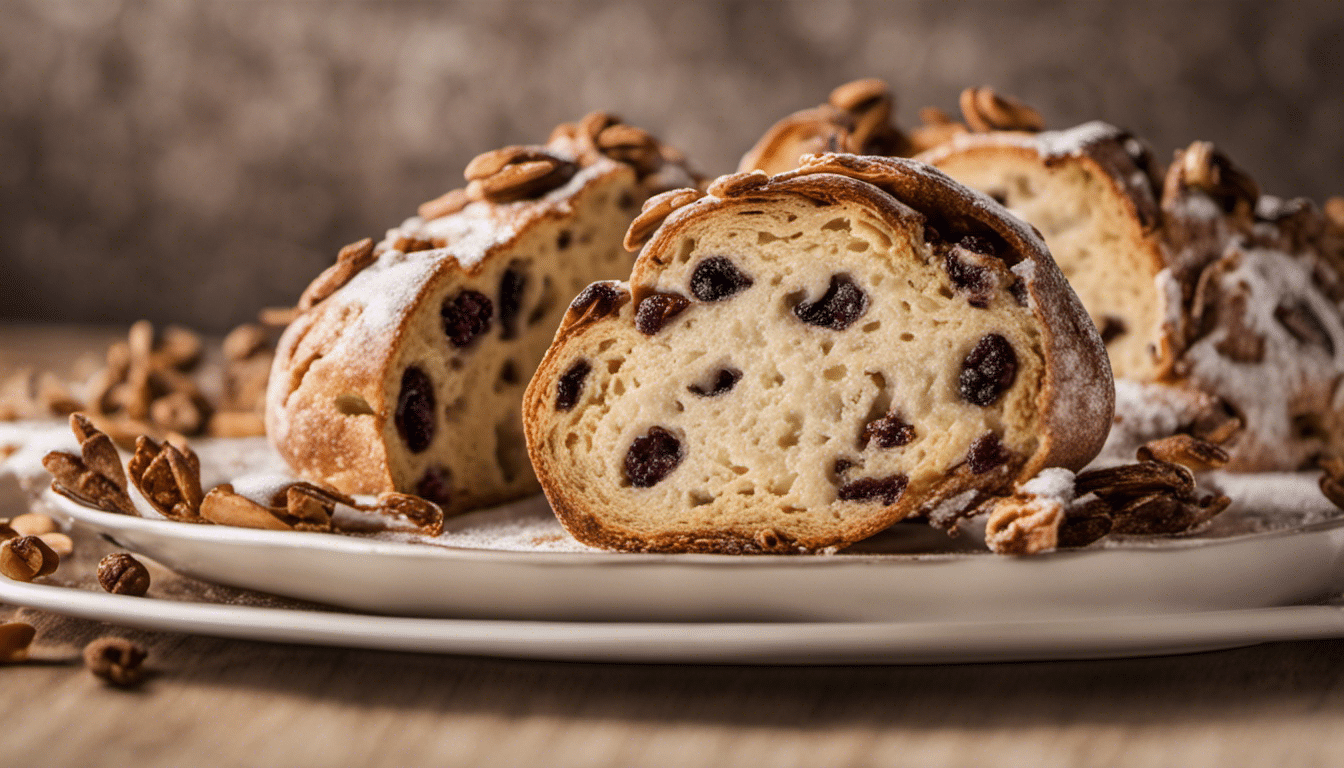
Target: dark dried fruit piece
[1018, 289]
[842, 466]
[890, 431]
[1111, 328]
[652, 458]
[988, 371]
[656, 309]
[715, 279]
[466, 316]
[726, 379]
[843, 303]
[511, 286]
[570, 385]
[415, 409]
[597, 301]
[436, 485]
[987, 452]
[888, 489]
[1300, 321]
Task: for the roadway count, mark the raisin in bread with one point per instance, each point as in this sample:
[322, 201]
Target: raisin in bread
[799, 361]
[1219, 306]
[407, 366]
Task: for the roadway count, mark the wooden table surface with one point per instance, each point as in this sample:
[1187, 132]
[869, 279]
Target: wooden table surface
[224, 702]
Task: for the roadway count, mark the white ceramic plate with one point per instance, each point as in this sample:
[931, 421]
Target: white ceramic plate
[912, 642]
[867, 584]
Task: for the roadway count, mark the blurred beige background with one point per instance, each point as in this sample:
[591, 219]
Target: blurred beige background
[195, 161]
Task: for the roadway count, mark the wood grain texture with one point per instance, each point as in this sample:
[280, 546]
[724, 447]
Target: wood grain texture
[234, 703]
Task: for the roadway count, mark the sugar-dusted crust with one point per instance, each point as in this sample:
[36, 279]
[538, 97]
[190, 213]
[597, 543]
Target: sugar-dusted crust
[1090, 191]
[757, 473]
[336, 384]
[1198, 282]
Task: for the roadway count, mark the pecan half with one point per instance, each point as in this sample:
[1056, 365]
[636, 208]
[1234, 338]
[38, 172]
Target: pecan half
[1190, 452]
[516, 173]
[168, 477]
[985, 110]
[632, 146]
[444, 205]
[351, 260]
[737, 183]
[95, 477]
[656, 209]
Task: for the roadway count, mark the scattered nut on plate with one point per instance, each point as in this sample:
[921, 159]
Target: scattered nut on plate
[15, 637]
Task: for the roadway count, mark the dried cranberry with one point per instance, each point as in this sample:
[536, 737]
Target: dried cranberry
[656, 309]
[724, 382]
[1111, 329]
[890, 431]
[597, 301]
[570, 385]
[435, 485]
[988, 371]
[843, 303]
[510, 300]
[715, 279]
[415, 410]
[888, 489]
[986, 453]
[466, 316]
[652, 457]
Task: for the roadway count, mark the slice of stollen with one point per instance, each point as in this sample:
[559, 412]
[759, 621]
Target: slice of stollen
[799, 361]
[407, 366]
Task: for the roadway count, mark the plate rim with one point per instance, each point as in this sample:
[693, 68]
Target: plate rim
[337, 544]
[789, 643]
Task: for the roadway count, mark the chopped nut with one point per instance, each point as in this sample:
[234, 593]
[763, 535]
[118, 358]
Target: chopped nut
[224, 507]
[854, 96]
[33, 524]
[1024, 525]
[1201, 166]
[1190, 452]
[179, 348]
[245, 341]
[26, 558]
[95, 478]
[656, 210]
[737, 183]
[121, 574]
[60, 543]
[115, 660]
[516, 173]
[351, 260]
[168, 477]
[15, 639]
[985, 110]
[444, 205]
[425, 514]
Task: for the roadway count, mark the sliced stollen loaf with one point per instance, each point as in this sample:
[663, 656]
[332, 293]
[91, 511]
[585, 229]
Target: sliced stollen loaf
[1219, 306]
[406, 368]
[799, 361]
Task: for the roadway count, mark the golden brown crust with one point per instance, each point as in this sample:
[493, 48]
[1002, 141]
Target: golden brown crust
[329, 414]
